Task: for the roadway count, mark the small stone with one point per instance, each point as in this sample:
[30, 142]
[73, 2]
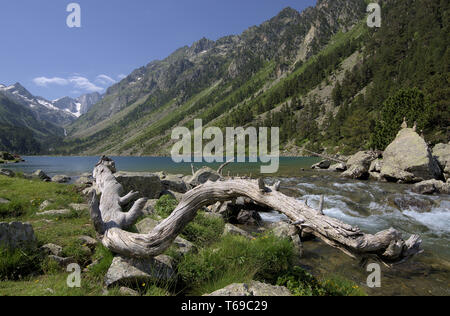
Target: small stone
[88, 241]
[4, 201]
[62, 262]
[54, 212]
[79, 207]
[7, 172]
[233, 230]
[52, 249]
[125, 291]
[45, 204]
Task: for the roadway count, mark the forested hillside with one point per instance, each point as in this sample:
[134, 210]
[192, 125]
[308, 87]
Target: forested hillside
[326, 79]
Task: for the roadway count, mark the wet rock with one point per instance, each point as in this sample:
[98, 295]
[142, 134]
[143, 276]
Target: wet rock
[441, 152]
[41, 175]
[254, 288]
[358, 172]
[61, 179]
[7, 172]
[130, 271]
[250, 218]
[52, 249]
[233, 230]
[17, 235]
[431, 187]
[147, 184]
[339, 167]
[324, 164]
[405, 202]
[408, 159]
[358, 165]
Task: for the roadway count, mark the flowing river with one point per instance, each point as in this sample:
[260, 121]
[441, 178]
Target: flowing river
[373, 206]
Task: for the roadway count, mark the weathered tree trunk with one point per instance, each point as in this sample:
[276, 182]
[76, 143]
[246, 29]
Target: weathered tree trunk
[388, 246]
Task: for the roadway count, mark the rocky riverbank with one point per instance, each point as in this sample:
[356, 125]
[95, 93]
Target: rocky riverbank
[408, 159]
[6, 158]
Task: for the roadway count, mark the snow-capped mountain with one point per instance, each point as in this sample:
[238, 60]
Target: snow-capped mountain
[60, 112]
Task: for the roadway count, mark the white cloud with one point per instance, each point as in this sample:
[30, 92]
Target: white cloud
[84, 84]
[44, 81]
[121, 76]
[105, 80]
[77, 82]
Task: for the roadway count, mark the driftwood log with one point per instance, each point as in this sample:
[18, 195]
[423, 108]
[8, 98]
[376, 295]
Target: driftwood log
[110, 221]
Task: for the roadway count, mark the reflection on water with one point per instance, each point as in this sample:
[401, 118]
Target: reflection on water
[373, 206]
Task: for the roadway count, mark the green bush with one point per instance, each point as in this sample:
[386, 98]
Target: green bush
[165, 206]
[14, 209]
[204, 230]
[17, 263]
[235, 259]
[105, 258]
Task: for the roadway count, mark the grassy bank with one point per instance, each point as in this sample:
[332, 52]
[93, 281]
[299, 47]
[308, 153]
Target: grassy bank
[217, 262]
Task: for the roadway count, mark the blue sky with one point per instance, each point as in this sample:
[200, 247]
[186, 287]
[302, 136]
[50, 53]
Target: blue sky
[52, 60]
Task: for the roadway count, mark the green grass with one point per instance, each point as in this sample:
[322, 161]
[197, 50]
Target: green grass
[235, 259]
[302, 283]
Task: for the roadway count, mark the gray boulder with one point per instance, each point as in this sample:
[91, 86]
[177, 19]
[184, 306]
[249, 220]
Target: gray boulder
[441, 152]
[324, 164]
[147, 184]
[285, 230]
[61, 179]
[84, 182]
[4, 201]
[431, 187]
[7, 172]
[253, 288]
[41, 175]
[250, 218]
[338, 167]
[52, 249]
[359, 164]
[408, 159]
[17, 235]
[131, 271]
[233, 230]
[174, 183]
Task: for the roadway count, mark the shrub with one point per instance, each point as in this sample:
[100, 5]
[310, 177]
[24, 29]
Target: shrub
[301, 283]
[17, 263]
[165, 206]
[235, 259]
[204, 230]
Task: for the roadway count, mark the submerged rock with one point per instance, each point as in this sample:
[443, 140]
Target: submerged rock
[408, 159]
[253, 288]
[324, 164]
[431, 187]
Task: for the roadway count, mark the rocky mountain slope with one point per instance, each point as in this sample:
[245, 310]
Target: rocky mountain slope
[207, 79]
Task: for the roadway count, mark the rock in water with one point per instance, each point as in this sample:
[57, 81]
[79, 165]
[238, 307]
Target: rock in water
[324, 164]
[359, 164]
[254, 288]
[16, 234]
[408, 159]
[441, 152]
[431, 186]
[129, 271]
